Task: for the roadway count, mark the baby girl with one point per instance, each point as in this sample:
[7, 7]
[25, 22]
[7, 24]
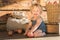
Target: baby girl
[36, 27]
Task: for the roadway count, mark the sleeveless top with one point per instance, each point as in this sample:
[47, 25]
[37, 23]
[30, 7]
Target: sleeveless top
[42, 26]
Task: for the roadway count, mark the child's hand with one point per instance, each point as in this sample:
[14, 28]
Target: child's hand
[30, 34]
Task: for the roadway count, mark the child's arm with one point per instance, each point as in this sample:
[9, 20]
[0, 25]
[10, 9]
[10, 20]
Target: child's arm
[39, 20]
[28, 26]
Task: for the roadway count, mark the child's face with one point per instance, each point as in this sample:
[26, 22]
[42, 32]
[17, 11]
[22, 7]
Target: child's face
[35, 10]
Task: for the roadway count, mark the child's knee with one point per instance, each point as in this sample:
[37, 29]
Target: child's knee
[38, 34]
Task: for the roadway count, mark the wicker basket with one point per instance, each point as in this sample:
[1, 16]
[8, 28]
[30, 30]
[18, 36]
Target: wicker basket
[52, 12]
[59, 12]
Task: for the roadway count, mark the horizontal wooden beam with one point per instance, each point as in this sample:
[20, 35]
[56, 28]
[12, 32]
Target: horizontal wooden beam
[14, 9]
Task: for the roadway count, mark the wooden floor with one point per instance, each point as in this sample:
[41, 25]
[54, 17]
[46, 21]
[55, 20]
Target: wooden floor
[3, 35]
[45, 38]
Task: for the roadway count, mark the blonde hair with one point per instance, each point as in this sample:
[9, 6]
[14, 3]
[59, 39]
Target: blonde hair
[40, 7]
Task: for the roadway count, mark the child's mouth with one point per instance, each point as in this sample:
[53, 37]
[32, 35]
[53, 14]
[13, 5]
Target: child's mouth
[35, 14]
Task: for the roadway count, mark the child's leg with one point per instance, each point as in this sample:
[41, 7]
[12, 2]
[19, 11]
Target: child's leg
[39, 33]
